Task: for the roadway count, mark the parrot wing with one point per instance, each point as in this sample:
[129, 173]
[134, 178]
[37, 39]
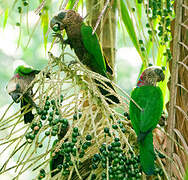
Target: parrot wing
[147, 155]
[91, 43]
[153, 108]
[150, 99]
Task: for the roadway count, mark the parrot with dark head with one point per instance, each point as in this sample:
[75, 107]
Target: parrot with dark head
[85, 44]
[149, 98]
[17, 86]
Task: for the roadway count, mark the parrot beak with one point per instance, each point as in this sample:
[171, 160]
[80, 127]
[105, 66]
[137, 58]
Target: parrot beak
[162, 76]
[56, 22]
[15, 96]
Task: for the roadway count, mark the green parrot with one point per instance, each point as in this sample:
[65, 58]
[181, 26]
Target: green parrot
[150, 99]
[17, 85]
[85, 44]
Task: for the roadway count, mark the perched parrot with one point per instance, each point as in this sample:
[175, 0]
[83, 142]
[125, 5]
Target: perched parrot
[85, 44]
[17, 85]
[150, 99]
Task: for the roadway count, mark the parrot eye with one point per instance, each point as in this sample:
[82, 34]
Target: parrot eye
[157, 71]
[56, 27]
[61, 15]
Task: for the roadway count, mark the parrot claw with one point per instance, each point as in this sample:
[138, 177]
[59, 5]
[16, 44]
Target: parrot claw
[72, 63]
[61, 40]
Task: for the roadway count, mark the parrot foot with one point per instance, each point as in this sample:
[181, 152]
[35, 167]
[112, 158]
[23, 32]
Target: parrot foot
[72, 63]
[61, 40]
[60, 37]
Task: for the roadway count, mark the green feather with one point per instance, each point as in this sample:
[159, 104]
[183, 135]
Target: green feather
[25, 70]
[150, 99]
[147, 155]
[92, 45]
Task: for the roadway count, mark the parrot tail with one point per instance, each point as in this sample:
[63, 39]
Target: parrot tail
[107, 94]
[147, 155]
[55, 161]
[28, 117]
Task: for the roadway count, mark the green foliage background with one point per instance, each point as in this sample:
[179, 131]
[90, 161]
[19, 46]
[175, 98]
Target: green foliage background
[31, 40]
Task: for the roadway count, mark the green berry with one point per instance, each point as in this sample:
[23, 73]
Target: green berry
[47, 133]
[39, 111]
[43, 117]
[53, 102]
[50, 118]
[139, 1]
[17, 24]
[74, 140]
[54, 133]
[88, 143]
[27, 136]
[84, 146]
[32, 136]
[142, 49]
[114, 126]
[106, 130]
[75, 129]
[20, 9]
[147, 25]
[46, 108]
[51, 113]
[55, 128]
[54, 122]
[149, 32]
[61, 98]
[88, 137]
[42, 171]
[44, 112]
[77, 116]
[74, 135]
[116, 139]
[25, 3]
[64, 121]
[40, 145]
[140, 42]
[81, 155]
[47, 103]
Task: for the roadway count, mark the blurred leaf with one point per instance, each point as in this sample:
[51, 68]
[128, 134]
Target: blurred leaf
[139, 12]
[186, 175]
[45, 22]
[129, 25]
[70, 4]
[128, 22]
[5, 18]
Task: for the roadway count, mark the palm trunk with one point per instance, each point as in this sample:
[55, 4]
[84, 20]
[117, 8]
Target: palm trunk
[178, 85]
